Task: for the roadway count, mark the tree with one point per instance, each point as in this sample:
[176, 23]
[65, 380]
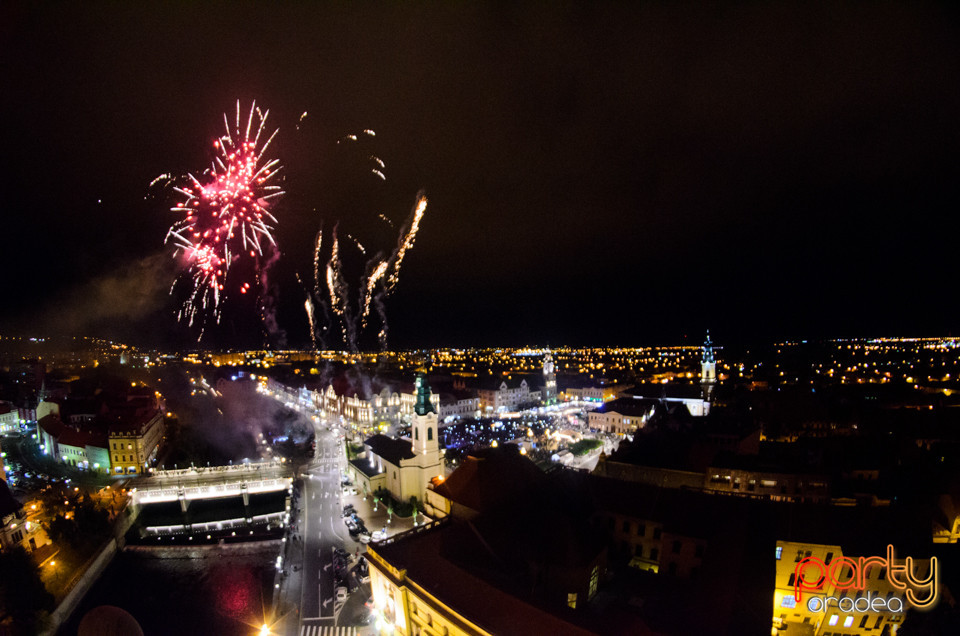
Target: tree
[90, 525]
[93, 523]
[23, 598]
[63, 531]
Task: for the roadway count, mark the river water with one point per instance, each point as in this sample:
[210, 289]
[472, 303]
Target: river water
[170, 591]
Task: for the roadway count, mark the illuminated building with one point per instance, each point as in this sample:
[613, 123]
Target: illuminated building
[84, 448]
[461, 404]
[498, 572]
[498, 395]
[874, 607]
[621, 416]
[17, 530]
[592, 391]
[134, 439]
[9, 418]
[418, 591]
[403, 467]
[47, 407]
[675, 533]
[761, 476]
[946, 521]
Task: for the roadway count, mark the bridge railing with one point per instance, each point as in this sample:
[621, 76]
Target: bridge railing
[217, 470]
[211, 491]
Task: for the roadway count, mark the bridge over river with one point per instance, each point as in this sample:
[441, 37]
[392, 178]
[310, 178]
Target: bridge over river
[249, 494]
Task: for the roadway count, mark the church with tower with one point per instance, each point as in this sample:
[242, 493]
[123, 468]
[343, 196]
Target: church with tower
[634, 407]
[404, 467]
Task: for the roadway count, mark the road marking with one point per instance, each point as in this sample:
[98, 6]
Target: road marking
[327, 630]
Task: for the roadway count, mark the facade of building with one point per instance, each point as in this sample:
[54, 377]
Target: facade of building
[504, 397]
[882, 618]
[47, 407]
[359, 407]
[403, 606]
[418, 591]
[653, 548]
[593, 393]
[946, 521]
[622, 416]
[459, 405]
[9, 418]
[743, 477]
[83, 448]
[17, 530]
[134, 441]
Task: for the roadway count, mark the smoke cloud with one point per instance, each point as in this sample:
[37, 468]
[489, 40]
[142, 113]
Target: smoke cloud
[114, 302]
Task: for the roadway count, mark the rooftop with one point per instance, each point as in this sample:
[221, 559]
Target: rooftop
[426, 558]
[390, 449]
[487, 477]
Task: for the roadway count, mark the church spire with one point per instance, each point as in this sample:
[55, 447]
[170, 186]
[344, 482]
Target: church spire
[423, 405]
[708, 350]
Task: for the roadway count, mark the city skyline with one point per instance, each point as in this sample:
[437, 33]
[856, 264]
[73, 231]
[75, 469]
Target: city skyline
[596, 175]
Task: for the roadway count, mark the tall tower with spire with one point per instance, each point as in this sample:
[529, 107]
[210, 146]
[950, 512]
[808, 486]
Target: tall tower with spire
[425, 441]
[708, 371]
[549, 379]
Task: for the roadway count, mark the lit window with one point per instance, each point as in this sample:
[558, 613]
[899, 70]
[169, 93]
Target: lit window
[834, 619]
[779, 552]
[848, 621]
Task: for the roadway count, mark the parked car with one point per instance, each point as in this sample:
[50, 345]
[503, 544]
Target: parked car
[341, 594]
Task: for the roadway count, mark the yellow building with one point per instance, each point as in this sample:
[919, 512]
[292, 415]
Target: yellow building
[873, 607]
[134, 441]
[401, 604]
[418, 592]
[946, 521]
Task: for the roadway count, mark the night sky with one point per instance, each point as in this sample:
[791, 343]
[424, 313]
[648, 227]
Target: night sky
[597, 173]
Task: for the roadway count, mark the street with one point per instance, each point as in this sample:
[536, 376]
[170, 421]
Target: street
[321, 528]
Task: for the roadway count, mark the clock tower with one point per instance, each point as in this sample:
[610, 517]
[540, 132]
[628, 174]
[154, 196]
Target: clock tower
[549, 380]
